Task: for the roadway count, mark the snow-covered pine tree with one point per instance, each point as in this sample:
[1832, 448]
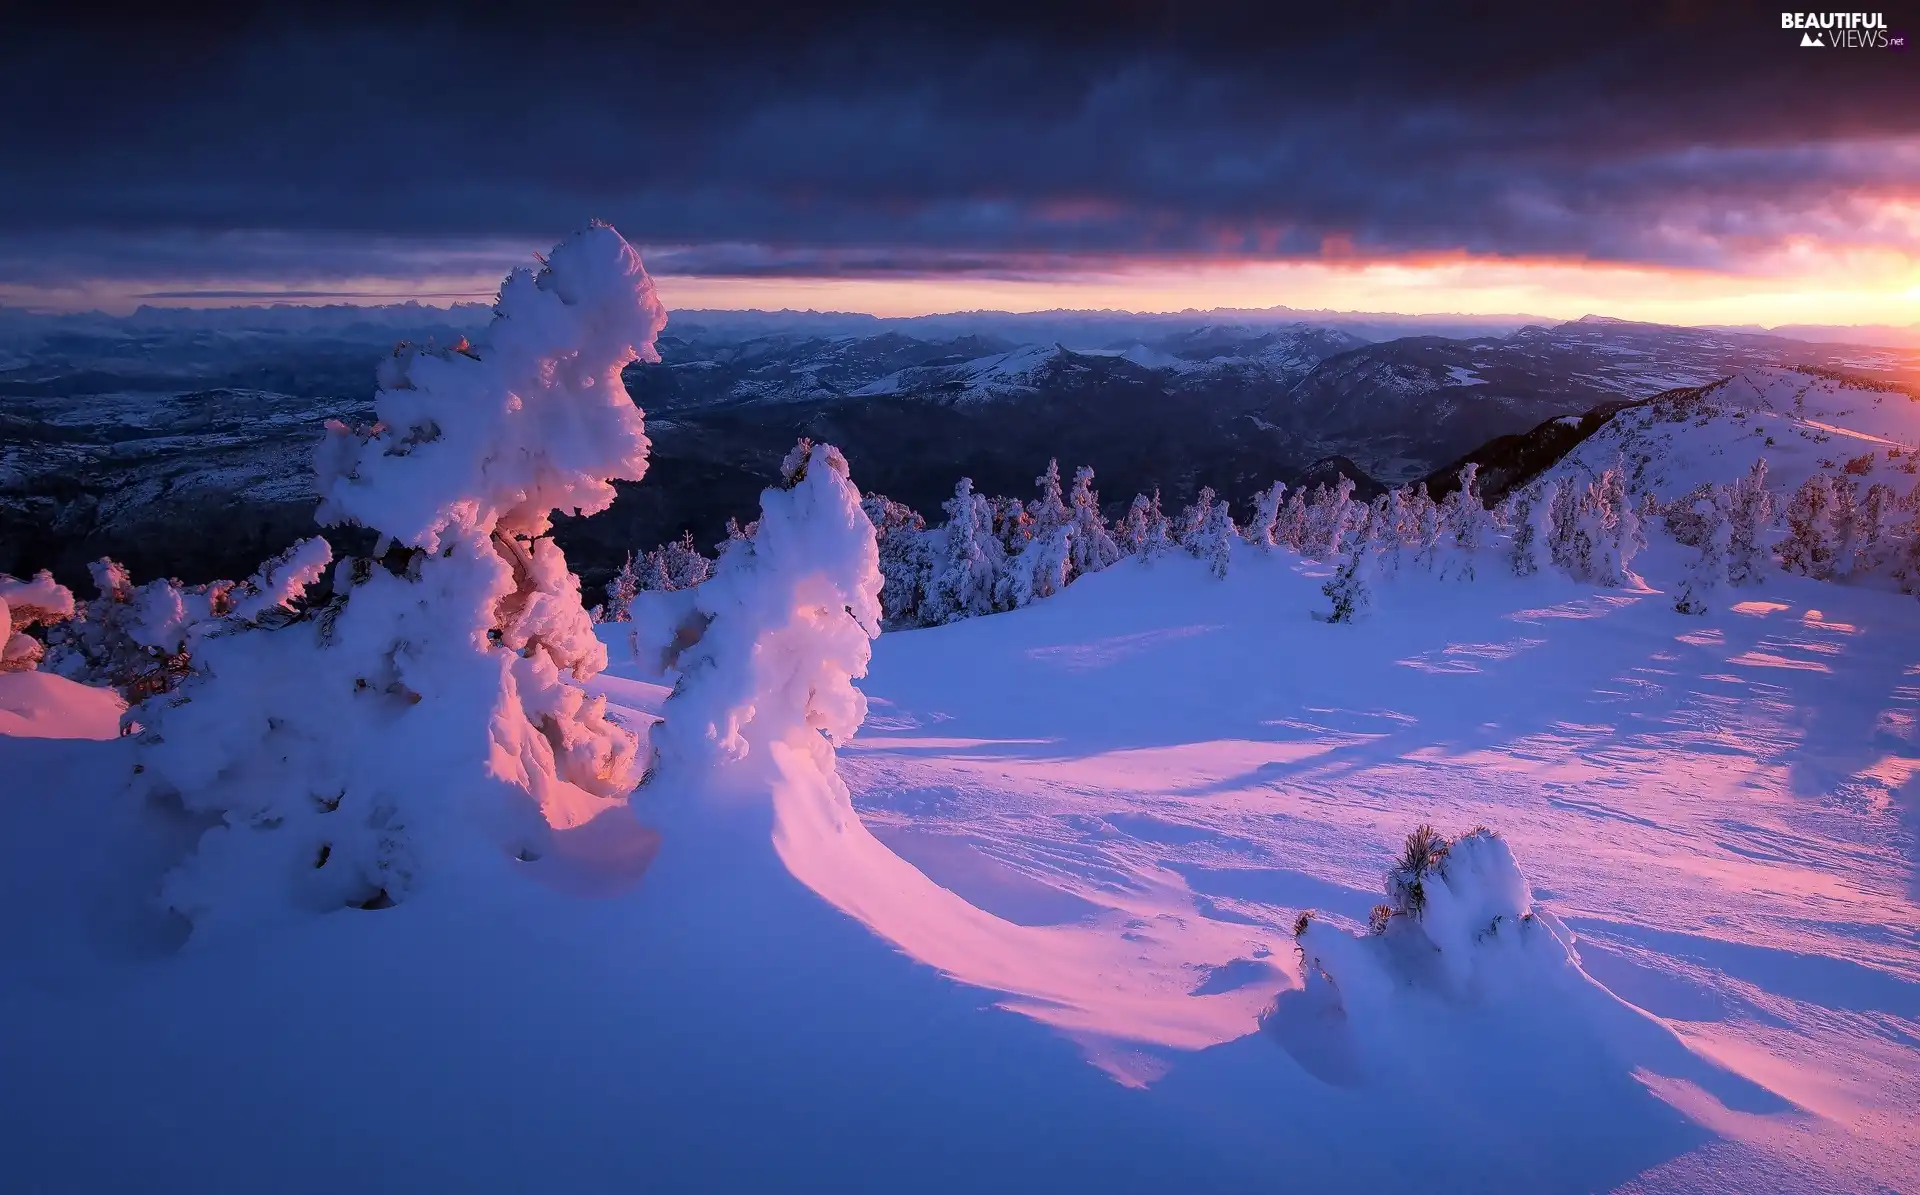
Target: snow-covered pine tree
[1294, 518]
[1707, 571]
[1350, 589]
[620, 593]
[1093, 545]
[1531, 549]
[789, 619]
[36, 602]
[1048, 512]
[1749, 515]
[1329, 520]
[1428, 532]
[1844, 527]
[427, 720]
[1012, 525]
[1042, 566]
[1264, 531]
[1878, 511]
[1144, 530]
[1465, 526]
[969, 561]
[1192, 517]
[1808, 546]
[1209, 532]
[906, 558]
[1613, 528]
[1568, 543]
[685, 567]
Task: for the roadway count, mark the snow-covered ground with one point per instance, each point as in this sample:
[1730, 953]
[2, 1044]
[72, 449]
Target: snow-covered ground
[1114, 803]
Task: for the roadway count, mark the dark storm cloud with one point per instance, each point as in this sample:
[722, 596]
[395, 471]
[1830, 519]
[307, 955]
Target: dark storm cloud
[1004, 140]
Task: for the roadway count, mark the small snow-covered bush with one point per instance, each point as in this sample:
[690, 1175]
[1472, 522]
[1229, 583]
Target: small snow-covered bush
[1459, 916]
[140, 638]
[38, 602]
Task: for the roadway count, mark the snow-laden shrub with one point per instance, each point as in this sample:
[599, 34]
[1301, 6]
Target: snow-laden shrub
[674, 565]
[37, 602]
[425, 720]
[790, 617]
[139, 639]
[1459, 917]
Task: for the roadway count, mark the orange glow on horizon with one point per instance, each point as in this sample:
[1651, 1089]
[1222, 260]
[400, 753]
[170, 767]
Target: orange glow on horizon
[1799, 281]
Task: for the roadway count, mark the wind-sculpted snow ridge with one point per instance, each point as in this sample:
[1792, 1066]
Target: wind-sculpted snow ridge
[746, 761]
[428, 718]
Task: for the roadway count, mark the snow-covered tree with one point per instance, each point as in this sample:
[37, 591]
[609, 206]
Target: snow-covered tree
[1878, 512]
[621, 590]
[1206, 531]
[37, 602]
[1614, 530]
[1531, 549]
[1706, 572]
[1329, 519]
[1465, 526]
[1093, 544]
[1012, 525]
[1350, 589]
[1808, 546]
[685, 566]
[1048, 512]
[1144, 530]
[426, 720]
[906, 558]
[1044, 564]
[970, 562]
[790, 614]
[1264, 530]
[1843, 527]
[1749, 515]
[1294, 518]
[1429, 532]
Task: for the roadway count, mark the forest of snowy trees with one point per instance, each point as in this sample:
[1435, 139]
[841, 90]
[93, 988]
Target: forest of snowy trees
[991, 555]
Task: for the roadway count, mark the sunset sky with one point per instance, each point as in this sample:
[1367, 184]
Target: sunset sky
[1680, 162]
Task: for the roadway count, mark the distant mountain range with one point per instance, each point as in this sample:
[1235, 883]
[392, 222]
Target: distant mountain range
[181, 445]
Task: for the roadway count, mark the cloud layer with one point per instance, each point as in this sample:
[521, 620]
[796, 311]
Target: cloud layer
[1012, 141]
